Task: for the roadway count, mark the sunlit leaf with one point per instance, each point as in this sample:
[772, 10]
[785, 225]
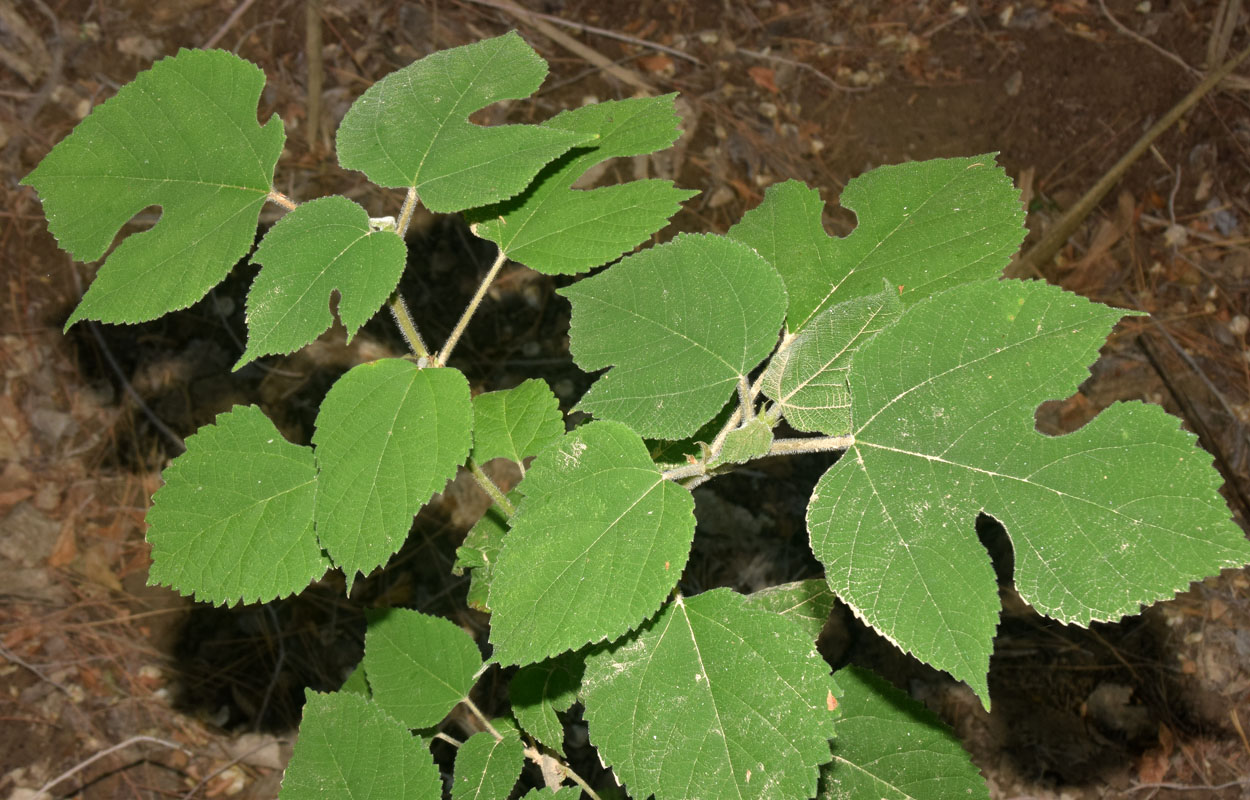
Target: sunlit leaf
[419, 666]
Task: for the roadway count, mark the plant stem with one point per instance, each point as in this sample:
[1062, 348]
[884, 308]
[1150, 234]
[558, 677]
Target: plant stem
[685, 471]
[469, 310]
[448, 739]
[492, 489]
[407, 327]
[477, 712]
[405, 212]
[278, 197]
[818, 444]
[746, 397]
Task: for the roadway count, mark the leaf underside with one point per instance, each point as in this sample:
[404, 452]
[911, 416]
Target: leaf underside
[182, 136]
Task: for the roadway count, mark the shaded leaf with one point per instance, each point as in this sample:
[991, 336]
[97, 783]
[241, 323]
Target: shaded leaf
[234, 520]
[486, 768]
[807, 603]
[539, 690]
[596, 545]
[182, 136]
[515, 423]
[321, 246]
[480, 551]
[419, 666]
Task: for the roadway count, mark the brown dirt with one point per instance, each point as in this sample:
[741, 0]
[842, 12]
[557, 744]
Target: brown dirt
[1154, 707]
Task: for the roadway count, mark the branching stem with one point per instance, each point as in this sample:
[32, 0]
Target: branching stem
[469, 310]
[492, 489]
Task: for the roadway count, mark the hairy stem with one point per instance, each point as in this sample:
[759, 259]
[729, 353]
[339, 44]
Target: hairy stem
[448, 739]
[818, 444]
[492, 489]
[405, 212]
[406, 325]
[469, 310]
[275, 196]
[746, 398]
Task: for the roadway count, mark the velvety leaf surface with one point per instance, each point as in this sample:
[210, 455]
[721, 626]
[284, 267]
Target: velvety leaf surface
[926, 226]
[808, 380]
[348, 747]
[182, 136]
[515, 423]
[745, 443]
[234, 521]
[411, 129]
[679, 324]
[596, 545]
[486, 768]
[419, 666]
[890, 747]
[1120, 513]
[557, 230]
[712, 698]
[322, 245]
[389, 435]
[807, 603]
[539, 690]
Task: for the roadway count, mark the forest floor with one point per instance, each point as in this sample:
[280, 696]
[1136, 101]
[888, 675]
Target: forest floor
[1156, 706]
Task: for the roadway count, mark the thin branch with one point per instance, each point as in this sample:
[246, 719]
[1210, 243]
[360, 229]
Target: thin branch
[477, 712]
[84, 764]
[803, 66]
[492, 489]
[448, 739]
[533, 754]
[239, 10]
[469, 310]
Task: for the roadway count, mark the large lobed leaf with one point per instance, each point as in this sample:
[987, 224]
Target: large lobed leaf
[234, 520]
[926, 226]
[680, 324]
[1120, 513]
[321, 246]
[182, 136]
[558, 230]
[389, 435]
[411, 129]
[713, 698]
[596, 545]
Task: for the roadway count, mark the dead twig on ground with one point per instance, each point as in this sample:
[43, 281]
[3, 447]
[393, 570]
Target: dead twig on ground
[43, 791]
[239, 10]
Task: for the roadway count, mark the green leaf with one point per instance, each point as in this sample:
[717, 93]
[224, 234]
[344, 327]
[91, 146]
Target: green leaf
[233, 522]
[680, 324]
[419, 666]
[357, 683]
[596, 545]
[713, 694]
[808, 379]
[1122, 512]
[348, 747]
[389, 435]
[807, 603]
[745, 443]
[479, 552]
[411, 129]
[889, 747]
[927, 226]
[515, 423]
[487, 769]
[183, 136]
[540, 690]
[560, 231]
[319, 247]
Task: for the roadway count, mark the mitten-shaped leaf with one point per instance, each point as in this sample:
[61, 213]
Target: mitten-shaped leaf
[183, 136]
[712, 698]
[596, 545]
[1117, 514]
[419, 666]
[890, 747]
[411, 129]
[806, 603]
[348, 747]
[927, 225]
[515, 423]
[808, 379]
[389, 435]
[321, 246]
[234, 520]
[557, 230]
[487, 768]
[680, 324]
[539, 690]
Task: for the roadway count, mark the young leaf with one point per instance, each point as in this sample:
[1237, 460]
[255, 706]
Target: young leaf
[357, 683]
[679, 324]
[596, 545]
[486, 768]
[233, 522]
[746, 443]
[479, 552]
[557, 230]
[927, 225]
[183, 136]
[411, 129]
[713, 694]
[808, 603]
[1117, 514]
[515, 423]
[889, 747]
[807, 380]
[389, 435]
[321, 246]
[348, 747]
[539, 690]
[419, 666]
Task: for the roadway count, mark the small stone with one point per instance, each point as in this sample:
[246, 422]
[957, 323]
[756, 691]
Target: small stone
[1239, 324]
